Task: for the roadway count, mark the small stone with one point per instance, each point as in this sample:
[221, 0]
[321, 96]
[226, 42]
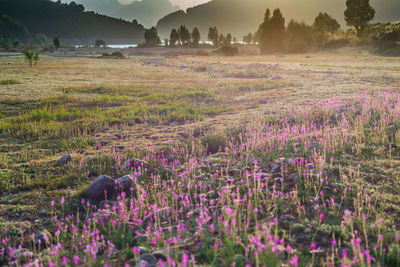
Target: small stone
[64, 160]
[22, 253]
[338, 186]
[293, 177]
[276, 167]
[287, 218]
[327, 189]
[149, 258]
[101, 187]
[105, 215]
[159, 255]
[146, 264]
[43, 238]
[125, 183]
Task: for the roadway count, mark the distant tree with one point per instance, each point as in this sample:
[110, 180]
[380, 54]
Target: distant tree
[196, 36]
[247, 39]
[264, 31]
[100, 43]
[272, 32]
[32, 57]
[325, 23]
[228, 39]
[56, 43]
[174, 37]
[41, 38]
[6, 44]
[222, 38]
[323, 26]
[257, 37]
[358, 14]
[11, 28]
[299, 37]
[166, 42]
[151, 36]
[213, 36]
[76, 7]
[184, 35]
[16, 43]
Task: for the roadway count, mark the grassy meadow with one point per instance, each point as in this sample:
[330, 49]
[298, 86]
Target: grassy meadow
[280, 160]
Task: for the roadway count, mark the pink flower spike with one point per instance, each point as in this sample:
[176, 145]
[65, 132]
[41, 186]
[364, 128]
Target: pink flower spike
[294, 261]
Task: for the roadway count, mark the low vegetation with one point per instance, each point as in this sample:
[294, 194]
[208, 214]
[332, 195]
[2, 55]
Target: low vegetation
[288, 189]
[9, 82]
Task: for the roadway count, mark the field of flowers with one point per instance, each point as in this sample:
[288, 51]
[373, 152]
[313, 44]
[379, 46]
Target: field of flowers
[316, 185]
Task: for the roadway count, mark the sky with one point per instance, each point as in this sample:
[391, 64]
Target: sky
[182, 3]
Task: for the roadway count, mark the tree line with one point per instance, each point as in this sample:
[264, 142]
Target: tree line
[273, 35]
[183, 37]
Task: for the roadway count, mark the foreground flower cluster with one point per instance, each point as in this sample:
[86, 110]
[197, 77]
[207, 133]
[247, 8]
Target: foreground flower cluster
[290, 189]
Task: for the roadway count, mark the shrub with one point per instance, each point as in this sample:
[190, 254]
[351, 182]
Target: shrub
[214, 142]
[388, 39]
[9, 82]
[41, 39]
[230, 50]
[116, 54]
[299, 37]
[31, 56]
[6, 44]
[100, 43]
[56, 43]
[201, 52]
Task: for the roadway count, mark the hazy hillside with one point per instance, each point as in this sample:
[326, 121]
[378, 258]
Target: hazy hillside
[10, 28]
[69, 22]
[240, 17]
[146, 12]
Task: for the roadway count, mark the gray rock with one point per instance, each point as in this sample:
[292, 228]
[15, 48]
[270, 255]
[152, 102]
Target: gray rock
[101, 187]
[43, 238]
[125, 183]
[22, 252]
[159, 255]
[338, 186]
[276, 167]
[287, 218]
[293, 177]
[105, 215]
[149, 258]
[146, 264]
[64, 160]
[327, 189]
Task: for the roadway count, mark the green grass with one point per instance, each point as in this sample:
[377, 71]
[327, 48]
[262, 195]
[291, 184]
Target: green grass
[9, 82]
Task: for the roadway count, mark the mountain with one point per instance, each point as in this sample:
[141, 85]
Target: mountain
[242, 16]
[70, 23]
[147, 12]
[10, 28]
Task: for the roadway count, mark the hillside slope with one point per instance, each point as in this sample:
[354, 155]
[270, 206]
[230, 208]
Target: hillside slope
[239, 17]
[146, 12]
[70, 23]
